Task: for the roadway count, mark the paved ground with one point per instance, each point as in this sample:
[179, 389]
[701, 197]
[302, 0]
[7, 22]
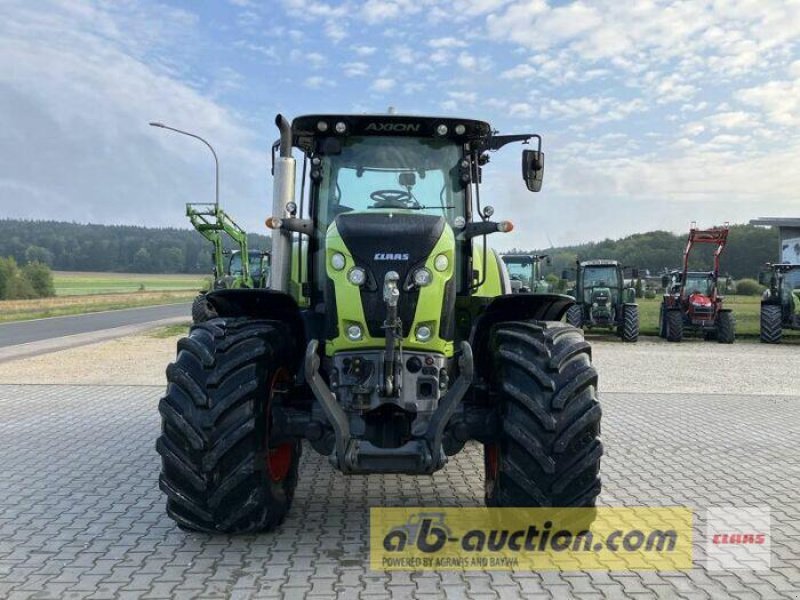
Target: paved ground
[81, 515]
[25, 332]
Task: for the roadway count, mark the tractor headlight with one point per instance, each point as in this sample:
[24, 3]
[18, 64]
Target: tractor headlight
[354, 333]
[422, 277]
[338, 261]
[357, 276]
[441, 262]
[423, 333]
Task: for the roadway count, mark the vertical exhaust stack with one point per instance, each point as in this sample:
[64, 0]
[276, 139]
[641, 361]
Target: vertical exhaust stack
[282, 193]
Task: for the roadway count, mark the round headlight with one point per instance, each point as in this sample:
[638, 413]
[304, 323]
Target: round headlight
[338, 261]
[354, 333]
[459, 222]
[441, 263]
[460, 129]
[357, 276]
[441, 129]
[340, 127]
[322, 126]
[422, 277]
[423, 333]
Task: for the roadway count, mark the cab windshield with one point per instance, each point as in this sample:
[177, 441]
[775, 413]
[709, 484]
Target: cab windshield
[698, 284]
[600, 277]
[395, 173]
[255, 262]
[520, 271]
[791, 279]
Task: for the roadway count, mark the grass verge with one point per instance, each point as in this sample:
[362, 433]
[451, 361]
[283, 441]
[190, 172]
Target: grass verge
[21, 310]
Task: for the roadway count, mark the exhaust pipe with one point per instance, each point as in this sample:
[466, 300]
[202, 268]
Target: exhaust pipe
[282, 193]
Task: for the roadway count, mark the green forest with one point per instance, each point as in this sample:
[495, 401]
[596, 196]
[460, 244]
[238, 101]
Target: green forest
[749, 247]
[113, 248]
[122, 248]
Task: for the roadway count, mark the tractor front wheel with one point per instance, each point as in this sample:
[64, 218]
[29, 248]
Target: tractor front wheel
[630, 322]
[771, 321]
[575, 315]
[673, 329]
[222, 470]
[549, 450]
[726, 327]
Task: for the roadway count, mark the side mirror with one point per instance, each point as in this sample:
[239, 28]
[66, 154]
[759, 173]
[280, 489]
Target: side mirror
[635, 273]
[533, 169]
[564, 274]
[549, 261]
[762, 278]
[664, 281]
[407, 179]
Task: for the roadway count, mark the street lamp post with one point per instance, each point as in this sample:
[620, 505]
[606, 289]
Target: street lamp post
[210, 147]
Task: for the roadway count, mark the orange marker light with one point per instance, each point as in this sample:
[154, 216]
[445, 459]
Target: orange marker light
[273, 223]
[505, 226]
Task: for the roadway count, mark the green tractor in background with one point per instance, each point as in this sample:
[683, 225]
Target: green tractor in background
[780, 305]
[388, 339]
[213, 224]
[602, 299]
[525, 273]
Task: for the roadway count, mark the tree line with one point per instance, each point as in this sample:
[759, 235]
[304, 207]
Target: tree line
[113, 248]
[748, 248]
[122, 248]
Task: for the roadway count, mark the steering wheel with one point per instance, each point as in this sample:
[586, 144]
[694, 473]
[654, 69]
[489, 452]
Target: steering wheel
[392, 199]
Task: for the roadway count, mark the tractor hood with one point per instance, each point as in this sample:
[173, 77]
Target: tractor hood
[699, 299]
[390, 240]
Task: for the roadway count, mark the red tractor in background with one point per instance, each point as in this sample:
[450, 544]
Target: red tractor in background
[691, 298]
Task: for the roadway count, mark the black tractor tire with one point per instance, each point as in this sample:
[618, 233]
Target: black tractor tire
[726, 327]
[575, 316]
[549, 449]
[673, 320]
[630, 322]
[219, 470]
[202, 310]
[771, 324]
[662, 322]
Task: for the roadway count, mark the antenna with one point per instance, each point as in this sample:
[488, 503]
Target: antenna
[391, 110]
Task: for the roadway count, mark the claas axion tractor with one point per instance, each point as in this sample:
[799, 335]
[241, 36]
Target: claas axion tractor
[388, 338]
[780, 304]
[602, 299]
[692, 300]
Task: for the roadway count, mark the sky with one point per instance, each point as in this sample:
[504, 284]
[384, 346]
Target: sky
[654, 114]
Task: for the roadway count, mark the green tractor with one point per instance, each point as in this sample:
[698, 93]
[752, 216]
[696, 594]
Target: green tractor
[602, 299]
[525, 273]
[780, 305]
[389, 337]
[213, 224]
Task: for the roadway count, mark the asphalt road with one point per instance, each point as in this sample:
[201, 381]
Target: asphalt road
[24, 332]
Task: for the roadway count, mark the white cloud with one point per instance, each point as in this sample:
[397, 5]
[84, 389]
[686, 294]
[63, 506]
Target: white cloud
[364, 50]
[447, 42]
[779, 100]
[521, 71]
[355, 69]
[383, 85]
[76, 95]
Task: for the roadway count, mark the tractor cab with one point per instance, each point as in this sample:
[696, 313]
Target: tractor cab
[258, 262]
[525, 273]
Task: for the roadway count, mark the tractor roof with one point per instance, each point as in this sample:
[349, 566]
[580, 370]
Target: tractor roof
[396, 125]
[776, 221]
[599, 262]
